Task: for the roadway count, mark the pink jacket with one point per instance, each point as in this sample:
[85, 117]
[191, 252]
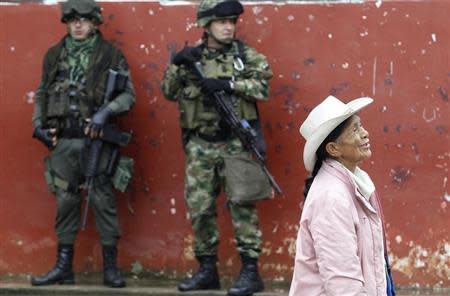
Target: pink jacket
[340, 240]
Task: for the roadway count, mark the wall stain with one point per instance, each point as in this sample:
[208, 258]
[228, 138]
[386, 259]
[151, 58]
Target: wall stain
[287, 92]
[388, 81]
[278, 148]
[425, 260]
[268, 128]
[290, 126]
[400, 175]
[154, 142]
[442, 129]
[147, 86]
[415, 148]
[309, 61]
[340, 88]
[443, 93]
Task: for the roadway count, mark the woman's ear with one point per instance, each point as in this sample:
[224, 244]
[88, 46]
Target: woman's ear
[332, 149]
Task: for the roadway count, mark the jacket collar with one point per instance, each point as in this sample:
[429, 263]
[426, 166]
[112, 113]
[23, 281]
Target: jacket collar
[335, 168]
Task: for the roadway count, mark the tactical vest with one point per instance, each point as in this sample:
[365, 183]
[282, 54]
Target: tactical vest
[196, 112]
[60, 94]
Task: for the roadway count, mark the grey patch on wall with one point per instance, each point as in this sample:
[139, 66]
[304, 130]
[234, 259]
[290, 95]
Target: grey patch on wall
[278, 148]
[268, 128]
[443, 93]
[339, 89]
[147, 86]
[388, 81]
[415, 148]
[287, 168]
[309, 61]
[290, 126]
[442, 129]
[154, 142]
[288, 93]
[400, 175]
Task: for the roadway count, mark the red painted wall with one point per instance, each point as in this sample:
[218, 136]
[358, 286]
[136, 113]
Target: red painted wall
[397, 53]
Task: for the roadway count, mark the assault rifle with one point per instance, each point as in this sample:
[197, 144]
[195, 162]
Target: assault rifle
[240, 127]
[116, 84]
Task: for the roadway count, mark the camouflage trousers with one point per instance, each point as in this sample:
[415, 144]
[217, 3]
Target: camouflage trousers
[64, 172]
[203, 183]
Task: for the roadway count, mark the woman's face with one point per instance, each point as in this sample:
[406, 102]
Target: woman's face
[352, 146]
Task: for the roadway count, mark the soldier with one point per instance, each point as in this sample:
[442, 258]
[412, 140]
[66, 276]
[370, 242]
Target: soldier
[70, 94]
[241, 73]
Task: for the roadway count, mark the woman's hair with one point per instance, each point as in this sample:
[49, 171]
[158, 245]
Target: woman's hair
[322, 154]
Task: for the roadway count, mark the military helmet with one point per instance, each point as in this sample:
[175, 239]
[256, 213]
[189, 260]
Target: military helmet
[83, 8]
[210, 10]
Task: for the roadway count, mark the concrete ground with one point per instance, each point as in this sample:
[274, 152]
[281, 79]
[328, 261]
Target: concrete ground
[91, 285]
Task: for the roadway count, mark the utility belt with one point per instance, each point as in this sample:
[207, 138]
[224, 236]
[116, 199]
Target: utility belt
[219, 136]
[68, 127]
[71, 133]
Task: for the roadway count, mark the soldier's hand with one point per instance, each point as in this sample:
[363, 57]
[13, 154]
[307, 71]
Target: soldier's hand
[187, 55]
[98, 121]
[210, 86]
[46, 136]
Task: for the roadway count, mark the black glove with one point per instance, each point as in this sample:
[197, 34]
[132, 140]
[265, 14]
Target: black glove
[211, 85]
[98, 121]
[187, 55]
[44, 135]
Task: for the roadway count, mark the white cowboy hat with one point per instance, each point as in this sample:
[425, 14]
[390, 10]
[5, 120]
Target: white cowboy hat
[322, 120]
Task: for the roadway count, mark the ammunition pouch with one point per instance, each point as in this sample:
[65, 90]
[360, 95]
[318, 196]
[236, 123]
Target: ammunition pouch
[58, 101]
[245, 181]
[123, 173]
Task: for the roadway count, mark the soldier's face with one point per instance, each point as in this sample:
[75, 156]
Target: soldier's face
[223, 30]
[80, 28]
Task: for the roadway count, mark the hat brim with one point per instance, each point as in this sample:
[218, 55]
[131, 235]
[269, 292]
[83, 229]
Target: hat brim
[312, 144]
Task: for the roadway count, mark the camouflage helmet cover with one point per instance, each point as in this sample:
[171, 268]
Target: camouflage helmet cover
[210, 10]
[84, 8]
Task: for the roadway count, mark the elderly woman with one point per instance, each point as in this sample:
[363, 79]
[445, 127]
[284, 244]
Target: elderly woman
[340, 246]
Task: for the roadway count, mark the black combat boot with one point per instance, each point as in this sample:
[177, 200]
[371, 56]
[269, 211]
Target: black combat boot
[249, 281]
[206, 278]
[62, 273]
[111, 275]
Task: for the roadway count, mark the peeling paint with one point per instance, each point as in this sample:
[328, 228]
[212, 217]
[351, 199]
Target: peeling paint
[434, 261]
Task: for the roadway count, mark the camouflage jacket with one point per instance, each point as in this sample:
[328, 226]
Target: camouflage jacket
[52, 103]
[250, 83]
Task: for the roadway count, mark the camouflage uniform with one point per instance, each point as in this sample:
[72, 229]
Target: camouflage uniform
[204, 163]
[71, 90]
[65, 164]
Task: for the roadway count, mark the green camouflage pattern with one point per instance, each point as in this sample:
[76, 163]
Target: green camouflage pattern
[65, 165]
[86, 8]
[206, 5]
[59, 78]
[251, 85]
[203, 182]
[78, 56]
